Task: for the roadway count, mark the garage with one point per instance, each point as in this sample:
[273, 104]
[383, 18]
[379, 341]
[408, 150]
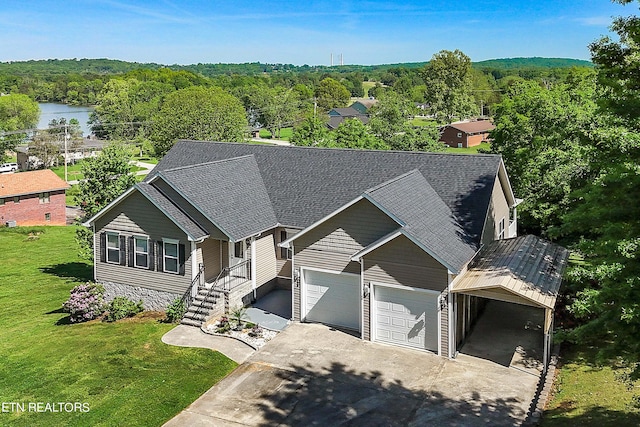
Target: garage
[332, 298]
[406, 317]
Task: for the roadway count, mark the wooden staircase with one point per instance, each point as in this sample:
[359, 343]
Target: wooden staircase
[204, 305]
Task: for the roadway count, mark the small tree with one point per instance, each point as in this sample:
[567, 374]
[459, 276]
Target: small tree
[106, 177]
[85, 303]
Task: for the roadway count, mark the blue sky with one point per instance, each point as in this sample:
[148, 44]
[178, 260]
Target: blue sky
[300, 32]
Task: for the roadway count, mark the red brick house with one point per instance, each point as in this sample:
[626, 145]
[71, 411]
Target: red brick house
[466, 134]
[32, 198]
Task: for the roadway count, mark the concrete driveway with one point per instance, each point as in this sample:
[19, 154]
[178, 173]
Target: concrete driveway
[311, 374]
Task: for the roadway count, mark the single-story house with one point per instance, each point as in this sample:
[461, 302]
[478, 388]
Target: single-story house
[363, 105]
[88, 148]
[400, 247]
[339, 115]
[466, 134]
[32, 198]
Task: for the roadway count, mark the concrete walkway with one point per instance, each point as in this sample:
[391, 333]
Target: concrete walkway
[272, 141]
[189, 336]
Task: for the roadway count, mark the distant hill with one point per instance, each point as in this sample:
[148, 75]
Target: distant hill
[52, 67]
[535, 62]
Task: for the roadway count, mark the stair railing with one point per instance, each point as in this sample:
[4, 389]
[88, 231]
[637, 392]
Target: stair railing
[195, 286]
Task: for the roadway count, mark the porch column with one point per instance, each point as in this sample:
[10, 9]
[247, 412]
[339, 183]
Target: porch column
[194, 267]
[548, 335]
[253, 266]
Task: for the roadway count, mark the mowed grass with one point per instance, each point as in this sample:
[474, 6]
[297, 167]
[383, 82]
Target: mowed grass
[285, 133]
[122, 370]
[588, 394]
[470, 150]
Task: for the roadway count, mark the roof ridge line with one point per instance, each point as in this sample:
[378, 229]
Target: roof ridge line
[394, 179]
[207, 163]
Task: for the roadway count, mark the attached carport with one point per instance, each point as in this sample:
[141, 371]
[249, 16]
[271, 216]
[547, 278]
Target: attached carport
[523, 270]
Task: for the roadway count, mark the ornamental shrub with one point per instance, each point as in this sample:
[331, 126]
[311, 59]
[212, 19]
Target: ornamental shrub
[85, 303]
[122, 307]
[175, 311]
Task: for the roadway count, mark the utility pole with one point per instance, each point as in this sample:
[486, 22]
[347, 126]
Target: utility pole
[66, 137]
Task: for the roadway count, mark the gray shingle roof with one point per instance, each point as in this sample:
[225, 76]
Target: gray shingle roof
[306, 184]
[230, 193]
[172, 211]
[428, 220]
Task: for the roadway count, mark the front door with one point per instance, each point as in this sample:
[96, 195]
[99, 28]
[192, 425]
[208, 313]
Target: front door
[237, 252]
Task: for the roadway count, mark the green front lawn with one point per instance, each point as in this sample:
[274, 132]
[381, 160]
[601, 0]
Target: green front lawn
[470, 150]
[121, 370]
[285, 133]
[588, 394]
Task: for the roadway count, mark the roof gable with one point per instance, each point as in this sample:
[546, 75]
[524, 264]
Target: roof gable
[230, 193]
[428, 221]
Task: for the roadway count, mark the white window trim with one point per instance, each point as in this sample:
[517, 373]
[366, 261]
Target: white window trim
[164, 255]
[135, 251]
[115, 248]
[501, 228]
[45, 197]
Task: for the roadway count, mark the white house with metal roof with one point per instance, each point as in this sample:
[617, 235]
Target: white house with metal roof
[392, 245]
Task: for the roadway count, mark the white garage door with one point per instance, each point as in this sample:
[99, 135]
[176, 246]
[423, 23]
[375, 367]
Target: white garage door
[333, 299]
[405, 317]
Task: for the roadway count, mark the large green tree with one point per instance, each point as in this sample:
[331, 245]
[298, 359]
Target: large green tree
[352, 133]
[208, 114]
[275, 107]
[106, 177]
[311, 132]
[606, 217]
[330, 93]
[17, 112]
[544, 136]
[448, 80]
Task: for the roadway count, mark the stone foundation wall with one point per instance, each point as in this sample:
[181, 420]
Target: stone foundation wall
[151, 299]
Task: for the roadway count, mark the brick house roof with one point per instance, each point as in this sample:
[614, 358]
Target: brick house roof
[21, 183]
[480, 126]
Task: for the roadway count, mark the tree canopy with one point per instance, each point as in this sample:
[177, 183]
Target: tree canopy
[208, 114]
[17, 112]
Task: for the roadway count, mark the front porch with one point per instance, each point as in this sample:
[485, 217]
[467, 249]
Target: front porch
[223, 278]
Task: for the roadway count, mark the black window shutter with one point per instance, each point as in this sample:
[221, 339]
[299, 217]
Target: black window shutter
[181, 259]
[123, 250]
[131, 251]
[103, 247]
[152, 259]
[160, 263]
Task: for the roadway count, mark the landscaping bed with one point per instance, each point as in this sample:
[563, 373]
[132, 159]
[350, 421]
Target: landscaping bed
[249, 333]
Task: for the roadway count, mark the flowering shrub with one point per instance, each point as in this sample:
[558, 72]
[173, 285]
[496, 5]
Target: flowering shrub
[256, 331]
[223, 325]
[122, 307]
[85, 303]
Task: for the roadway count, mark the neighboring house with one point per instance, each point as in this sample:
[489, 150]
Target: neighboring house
[466, 134]
[88, 148]
[363, 105]
[339, 115]
[32, 198]
[401, 247]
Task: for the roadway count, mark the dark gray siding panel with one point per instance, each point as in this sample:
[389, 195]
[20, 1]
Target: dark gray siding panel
[136, 215]
[331, 244]
[348, 232]
[401, 262]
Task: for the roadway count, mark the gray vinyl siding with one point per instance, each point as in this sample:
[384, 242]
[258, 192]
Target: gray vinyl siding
[283, 265]
[366, 317]
[265, 259]
[211, 257]
[137, 216]
[401, 262]
[498, 209]
[331, 244]
[444, 327]
[295, 285]
[188, 208]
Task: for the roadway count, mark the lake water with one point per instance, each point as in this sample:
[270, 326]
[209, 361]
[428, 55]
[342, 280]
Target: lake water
[50, 111]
